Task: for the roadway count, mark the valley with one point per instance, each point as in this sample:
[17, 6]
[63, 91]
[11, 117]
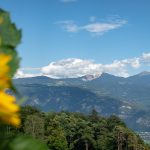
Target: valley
[128, 98]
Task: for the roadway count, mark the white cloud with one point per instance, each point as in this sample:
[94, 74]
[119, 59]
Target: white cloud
[145, 58]
[135, 62]
[97, 28]
[100, 28]
[71, 67]
[21, 74]
[74, 67]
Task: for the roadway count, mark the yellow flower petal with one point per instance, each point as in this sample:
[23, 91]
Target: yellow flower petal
[1, 20]
[9, 109]
[4, 59]
[12, 120]
[15, 121]
[4, 71]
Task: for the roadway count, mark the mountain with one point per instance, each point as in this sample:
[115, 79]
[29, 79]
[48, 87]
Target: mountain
[142, 79]
[75, 99]
[134, 89]
[129, 98]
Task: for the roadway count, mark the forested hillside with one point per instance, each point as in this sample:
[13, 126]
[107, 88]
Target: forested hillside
[75, 131]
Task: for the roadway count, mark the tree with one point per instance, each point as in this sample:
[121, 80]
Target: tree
[114, 121]
[94, 117]
[56, 139]
[34, 126]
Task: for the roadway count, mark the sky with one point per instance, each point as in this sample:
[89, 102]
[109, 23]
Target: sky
[72, 38]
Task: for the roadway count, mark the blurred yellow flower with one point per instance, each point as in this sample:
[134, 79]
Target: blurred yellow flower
[9, 109]
[4, 71]
[1, 20]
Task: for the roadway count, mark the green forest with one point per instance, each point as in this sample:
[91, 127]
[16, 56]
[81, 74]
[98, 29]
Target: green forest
[76, 131]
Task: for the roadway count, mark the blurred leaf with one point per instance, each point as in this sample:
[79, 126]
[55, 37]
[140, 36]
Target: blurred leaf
[10, 37]
[26, 143]
[9, 34]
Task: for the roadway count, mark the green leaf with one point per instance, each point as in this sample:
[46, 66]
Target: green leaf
[26, 143]
[9, 34]
[10, 37]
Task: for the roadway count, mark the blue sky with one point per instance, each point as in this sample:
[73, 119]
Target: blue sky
[99, 35]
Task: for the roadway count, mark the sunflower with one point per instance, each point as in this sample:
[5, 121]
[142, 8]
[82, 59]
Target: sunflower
[4, 71]
[8, 107]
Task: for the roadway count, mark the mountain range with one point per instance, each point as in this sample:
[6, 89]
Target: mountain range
[129, 98]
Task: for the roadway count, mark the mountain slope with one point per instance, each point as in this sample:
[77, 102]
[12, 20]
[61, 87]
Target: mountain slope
[57, 98]
[129, 98]
[134, 89]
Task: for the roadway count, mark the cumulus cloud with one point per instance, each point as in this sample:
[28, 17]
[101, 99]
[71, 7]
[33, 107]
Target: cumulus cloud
[74, 67]
[71, 67]
[97, 28]
[145, 58]
[21, 74]
[26, 72]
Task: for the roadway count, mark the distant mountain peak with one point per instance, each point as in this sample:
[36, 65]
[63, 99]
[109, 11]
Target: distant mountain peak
[90, 77]
[144, 73]
[105, 74]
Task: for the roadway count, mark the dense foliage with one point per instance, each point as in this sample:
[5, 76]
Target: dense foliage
[75, 131]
